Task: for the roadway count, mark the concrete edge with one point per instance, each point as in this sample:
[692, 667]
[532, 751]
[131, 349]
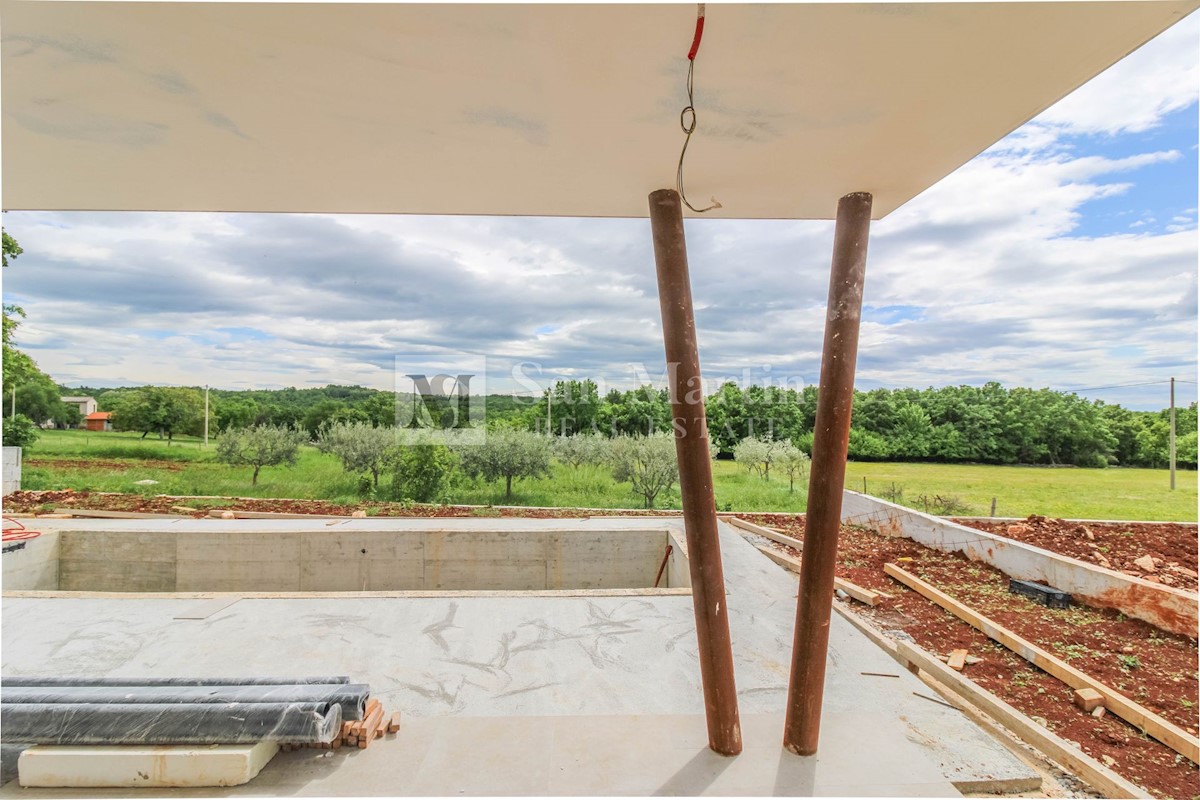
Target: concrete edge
[77, 595]
[1173, 610]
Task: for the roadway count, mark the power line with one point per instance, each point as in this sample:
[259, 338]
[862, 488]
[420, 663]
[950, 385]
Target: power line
[1122, 386]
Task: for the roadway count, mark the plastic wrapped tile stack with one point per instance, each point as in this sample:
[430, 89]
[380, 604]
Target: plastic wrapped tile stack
[178, 710]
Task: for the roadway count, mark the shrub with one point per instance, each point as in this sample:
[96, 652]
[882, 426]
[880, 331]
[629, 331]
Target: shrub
[19, 431]
[422, 472]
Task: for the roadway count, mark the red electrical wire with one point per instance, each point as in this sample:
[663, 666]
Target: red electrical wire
[18, 533]
[699, 34]
[687, 117]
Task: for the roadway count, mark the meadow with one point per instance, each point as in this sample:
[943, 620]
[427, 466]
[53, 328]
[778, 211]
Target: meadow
[115, 462]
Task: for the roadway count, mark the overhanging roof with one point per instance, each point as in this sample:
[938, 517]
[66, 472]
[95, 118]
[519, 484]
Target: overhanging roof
[560, 110]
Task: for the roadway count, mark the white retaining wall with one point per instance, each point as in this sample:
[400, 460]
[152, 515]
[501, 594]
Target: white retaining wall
[335, 556]
[1168, 608]
[11, 469]
[31, 564]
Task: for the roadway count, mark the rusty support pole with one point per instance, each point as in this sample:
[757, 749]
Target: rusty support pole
[827, 474]
[695, 474]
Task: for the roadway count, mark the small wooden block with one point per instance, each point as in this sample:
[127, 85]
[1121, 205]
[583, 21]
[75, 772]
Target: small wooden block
[957, 660]
[381, 727]
[1088, 699]
[336, 744]
[394, 722]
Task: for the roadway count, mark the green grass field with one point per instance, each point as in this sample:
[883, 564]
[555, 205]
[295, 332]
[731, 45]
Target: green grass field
[187, 468]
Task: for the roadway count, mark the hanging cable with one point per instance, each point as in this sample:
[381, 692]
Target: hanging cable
[687, 117]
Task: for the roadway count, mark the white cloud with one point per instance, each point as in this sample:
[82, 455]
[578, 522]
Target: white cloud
[984, 275]
[1136, 93]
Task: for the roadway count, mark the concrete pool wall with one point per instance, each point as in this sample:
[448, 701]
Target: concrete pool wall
[343, 556]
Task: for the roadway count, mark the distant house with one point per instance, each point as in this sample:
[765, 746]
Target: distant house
[86, 405]
[98, 421]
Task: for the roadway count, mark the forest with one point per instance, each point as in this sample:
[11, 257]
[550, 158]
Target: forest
[989, 424]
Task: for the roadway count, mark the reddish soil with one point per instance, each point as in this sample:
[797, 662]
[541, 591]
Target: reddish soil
[25, 502]
[1115, 545]
[1153, 668]
[97, 463]
[1156, 669]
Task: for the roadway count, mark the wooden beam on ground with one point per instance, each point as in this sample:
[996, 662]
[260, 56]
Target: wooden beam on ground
[793, 564]
[89, 513]
[769, 533]
[1079, 763]
[220, 513]
[1135, 714]
[989, 724]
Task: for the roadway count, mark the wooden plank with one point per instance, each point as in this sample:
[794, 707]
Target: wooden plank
[1135, 714]
[88, 513]
[857, 592]
[370, 725]
[1079, 763]
[220, 512]
[769, 533]
[394, 722]
[983, 720]
[957, 660]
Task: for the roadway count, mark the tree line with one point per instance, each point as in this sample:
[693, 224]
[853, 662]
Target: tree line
[988, 424]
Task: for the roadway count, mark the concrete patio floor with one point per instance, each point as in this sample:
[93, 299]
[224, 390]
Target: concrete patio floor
[580, 694]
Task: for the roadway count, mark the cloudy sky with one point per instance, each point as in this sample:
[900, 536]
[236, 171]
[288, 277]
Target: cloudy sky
[1064, 256]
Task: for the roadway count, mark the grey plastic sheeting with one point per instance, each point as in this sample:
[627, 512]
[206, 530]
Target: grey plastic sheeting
[157, 723]
[352, 697]
[78, 681]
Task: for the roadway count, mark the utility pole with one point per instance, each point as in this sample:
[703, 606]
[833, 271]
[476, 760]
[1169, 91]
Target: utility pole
[14, 402]
[206, 415]
[1172, 434]
[549, 407]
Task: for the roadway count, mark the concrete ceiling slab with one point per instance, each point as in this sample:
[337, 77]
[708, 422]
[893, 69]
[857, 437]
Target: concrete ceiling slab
[555, 110]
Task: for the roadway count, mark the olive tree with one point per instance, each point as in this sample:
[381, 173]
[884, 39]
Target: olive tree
[581, 448]
[792, 460]
[755, 454]
[359, 446]
[507, 454]
[260, 446]
[646, 462]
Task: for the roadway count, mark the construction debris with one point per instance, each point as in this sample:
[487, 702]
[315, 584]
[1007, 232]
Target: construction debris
[957, 660]
[1088, 699]
[1145, 563]
[1040, 593]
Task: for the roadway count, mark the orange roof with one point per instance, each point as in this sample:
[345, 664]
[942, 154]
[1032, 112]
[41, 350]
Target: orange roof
[99, 415]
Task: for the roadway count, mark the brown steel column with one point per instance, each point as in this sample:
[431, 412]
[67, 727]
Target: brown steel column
[827, 474]
[695, 474]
